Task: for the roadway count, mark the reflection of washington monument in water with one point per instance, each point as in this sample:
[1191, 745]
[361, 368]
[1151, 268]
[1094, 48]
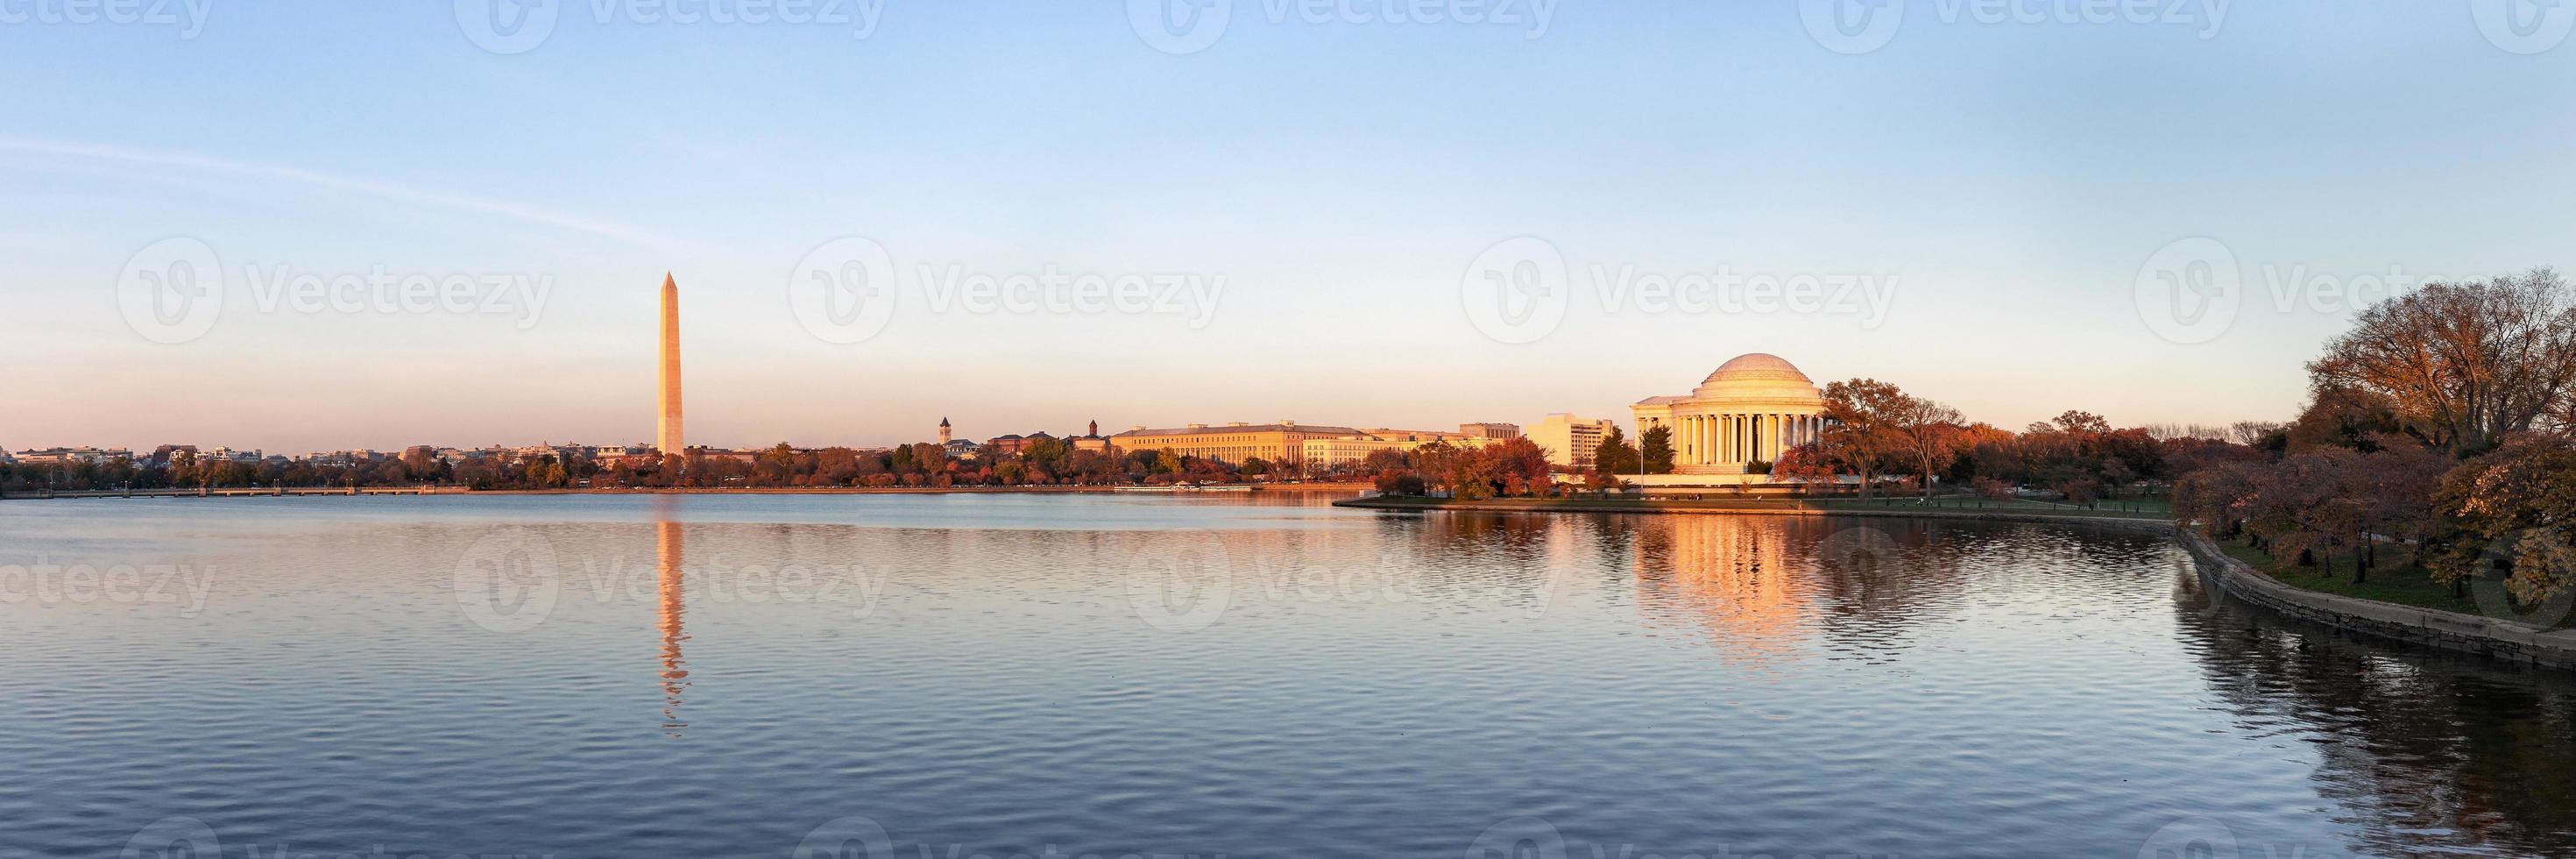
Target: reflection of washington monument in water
[675, 672]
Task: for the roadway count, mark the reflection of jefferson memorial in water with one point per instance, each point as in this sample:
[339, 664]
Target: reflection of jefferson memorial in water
[1752, 409]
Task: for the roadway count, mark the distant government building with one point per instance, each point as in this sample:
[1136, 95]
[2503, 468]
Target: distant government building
[1751, 410]
[1316, 445]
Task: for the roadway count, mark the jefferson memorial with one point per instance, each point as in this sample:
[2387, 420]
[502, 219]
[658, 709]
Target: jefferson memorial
[1751, 410]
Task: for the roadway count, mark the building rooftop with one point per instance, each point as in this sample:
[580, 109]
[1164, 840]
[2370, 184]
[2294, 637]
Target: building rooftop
[1297, 428]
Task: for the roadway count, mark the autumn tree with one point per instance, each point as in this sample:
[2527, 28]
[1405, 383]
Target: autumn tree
[2464, 364]
[1926, 428]
[1521, 464]
[2343, 417]
[2307, 507]
[2510, 510]
[1860, 429]
[2215, 498]
[2395, 488]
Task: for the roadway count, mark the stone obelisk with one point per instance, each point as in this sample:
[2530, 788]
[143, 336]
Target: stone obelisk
[667, 437]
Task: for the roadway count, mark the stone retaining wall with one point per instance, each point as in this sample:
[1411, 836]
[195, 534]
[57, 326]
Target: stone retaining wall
[2448, 630]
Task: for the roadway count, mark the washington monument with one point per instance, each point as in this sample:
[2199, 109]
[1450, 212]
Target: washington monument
[668, 436]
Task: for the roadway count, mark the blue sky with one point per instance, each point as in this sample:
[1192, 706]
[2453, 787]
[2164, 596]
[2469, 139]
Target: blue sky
[1329, 182]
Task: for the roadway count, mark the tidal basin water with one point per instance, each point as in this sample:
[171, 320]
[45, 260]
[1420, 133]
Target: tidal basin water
[1245, 676]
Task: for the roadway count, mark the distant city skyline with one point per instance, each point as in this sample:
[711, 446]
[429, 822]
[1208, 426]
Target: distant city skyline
[1076, 218]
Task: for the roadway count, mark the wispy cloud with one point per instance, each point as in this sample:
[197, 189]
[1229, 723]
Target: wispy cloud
[627, 233]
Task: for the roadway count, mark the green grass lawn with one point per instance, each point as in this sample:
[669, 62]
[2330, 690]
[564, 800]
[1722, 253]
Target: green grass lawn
[2156, 507]
[2393, 581]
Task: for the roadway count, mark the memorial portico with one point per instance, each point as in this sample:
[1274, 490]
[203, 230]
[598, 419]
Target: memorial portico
[1751, 410]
